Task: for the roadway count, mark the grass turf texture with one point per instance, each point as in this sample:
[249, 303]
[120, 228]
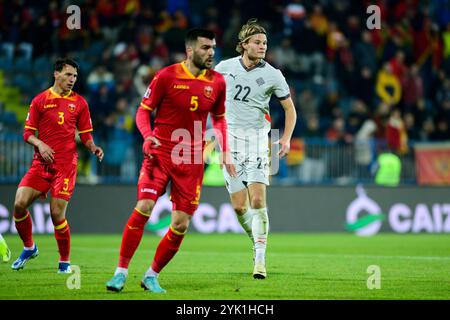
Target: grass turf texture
[219, 266]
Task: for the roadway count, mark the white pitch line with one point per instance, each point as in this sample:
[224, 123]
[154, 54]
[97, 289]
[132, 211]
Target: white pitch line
[300, 254]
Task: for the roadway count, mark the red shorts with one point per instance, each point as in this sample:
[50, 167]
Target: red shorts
[186, 182]
[45, 177]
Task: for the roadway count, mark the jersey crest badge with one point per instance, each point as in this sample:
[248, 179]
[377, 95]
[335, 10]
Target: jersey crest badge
[71, 107]
[260, 81]
[208, 91]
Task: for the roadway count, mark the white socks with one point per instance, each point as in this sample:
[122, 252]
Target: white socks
[151, 273]
[246, 222]
[260, 229]
[30, 248]
[121, 270]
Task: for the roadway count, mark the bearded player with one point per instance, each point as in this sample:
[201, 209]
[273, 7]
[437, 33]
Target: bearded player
[182, 95]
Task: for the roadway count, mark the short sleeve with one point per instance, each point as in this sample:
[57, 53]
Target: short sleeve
[219, 68]
[281, 89]
[84, 123]
[32, 119]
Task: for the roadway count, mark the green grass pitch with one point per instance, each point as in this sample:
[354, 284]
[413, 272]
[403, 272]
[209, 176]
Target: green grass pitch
[219, 266]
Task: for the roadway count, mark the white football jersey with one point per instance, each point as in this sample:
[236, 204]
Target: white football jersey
[247, 102]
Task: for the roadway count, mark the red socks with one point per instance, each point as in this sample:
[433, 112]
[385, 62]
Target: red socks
[24, 227]
[132, 235]
[62, 236]
[167, 248]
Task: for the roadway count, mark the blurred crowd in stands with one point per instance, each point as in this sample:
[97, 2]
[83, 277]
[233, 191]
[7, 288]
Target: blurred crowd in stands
[349, 83]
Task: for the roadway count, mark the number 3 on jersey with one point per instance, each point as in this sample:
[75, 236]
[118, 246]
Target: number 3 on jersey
[194, 103]
[60, 117]
[66, 184]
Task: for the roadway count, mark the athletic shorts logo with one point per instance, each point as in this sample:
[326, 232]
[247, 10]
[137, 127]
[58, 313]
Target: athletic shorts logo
[147, 93]
[148, 190]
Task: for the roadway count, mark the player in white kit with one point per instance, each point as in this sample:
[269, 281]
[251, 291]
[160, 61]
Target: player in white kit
[251, 82]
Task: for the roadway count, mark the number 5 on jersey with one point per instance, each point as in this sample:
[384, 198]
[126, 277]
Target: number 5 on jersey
[194, 103]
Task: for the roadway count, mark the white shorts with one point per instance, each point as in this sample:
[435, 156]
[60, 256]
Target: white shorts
[250, 169]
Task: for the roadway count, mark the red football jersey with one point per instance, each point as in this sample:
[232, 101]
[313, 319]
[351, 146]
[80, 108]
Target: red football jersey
[56, 118]
[183, 101]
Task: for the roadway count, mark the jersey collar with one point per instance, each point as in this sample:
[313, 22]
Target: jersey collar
[201, 76]
[261, 64]
[53, 92]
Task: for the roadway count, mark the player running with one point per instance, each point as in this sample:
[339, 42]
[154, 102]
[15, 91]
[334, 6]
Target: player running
[183, 95]
[251, 82]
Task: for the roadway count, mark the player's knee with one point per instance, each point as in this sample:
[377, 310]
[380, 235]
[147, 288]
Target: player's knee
[240, 209]
[180, 226]
[57, 214]
[145, 206]
[258, 202]
[20, 207]
[180, 221]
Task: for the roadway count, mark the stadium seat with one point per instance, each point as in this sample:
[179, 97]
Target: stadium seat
[85, 66]
[78, 56]
[8, 117]
[95, 49]
[22, 65]
[42, 82]
[6, 64]
[42, 65]
[23, 81]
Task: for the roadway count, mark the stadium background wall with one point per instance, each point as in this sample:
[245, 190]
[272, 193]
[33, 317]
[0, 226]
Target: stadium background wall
[365, 210]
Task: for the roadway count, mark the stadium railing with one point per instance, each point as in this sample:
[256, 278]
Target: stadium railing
[311, 161]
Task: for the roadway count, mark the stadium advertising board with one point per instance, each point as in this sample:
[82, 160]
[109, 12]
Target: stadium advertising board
[363, 210]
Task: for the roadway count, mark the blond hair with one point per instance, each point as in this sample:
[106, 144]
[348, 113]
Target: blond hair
[249, 29]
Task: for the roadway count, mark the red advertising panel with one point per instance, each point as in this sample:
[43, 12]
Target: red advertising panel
[433, 164]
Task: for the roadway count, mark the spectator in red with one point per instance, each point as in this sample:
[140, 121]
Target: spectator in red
[412, 87]
[396, 136]
[336, 133]
[398, 66]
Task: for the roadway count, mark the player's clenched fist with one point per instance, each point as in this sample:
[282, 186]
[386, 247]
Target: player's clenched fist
[149, 144]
